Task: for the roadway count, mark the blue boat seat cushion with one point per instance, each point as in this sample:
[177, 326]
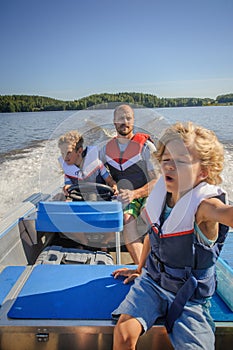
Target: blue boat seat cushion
[80, 292]
[79, 217]
[69, 292]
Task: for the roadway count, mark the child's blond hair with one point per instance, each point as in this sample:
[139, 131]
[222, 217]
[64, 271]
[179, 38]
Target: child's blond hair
[73, 138]
[209, 150]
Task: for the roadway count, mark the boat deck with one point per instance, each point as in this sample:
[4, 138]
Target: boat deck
[69, 306]
[63, 305]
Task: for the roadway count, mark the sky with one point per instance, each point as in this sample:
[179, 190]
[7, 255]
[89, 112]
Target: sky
[69, 49]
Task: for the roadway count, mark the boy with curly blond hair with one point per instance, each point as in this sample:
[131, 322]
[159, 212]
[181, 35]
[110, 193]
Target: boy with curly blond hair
[188, 219]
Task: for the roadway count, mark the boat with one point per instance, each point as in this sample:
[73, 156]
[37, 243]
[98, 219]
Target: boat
[57, 296]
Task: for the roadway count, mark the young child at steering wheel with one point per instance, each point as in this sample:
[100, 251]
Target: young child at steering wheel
[81, 165]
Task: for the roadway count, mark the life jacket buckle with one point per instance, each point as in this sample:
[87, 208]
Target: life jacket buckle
[156, 228]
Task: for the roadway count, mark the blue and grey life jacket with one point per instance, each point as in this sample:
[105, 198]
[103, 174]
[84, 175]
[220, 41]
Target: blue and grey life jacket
[178, 261]
[128, 166]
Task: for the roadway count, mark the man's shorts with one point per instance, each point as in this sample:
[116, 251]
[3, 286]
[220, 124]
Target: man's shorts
[134, 208]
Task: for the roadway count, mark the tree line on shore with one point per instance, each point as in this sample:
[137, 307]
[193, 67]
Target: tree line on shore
[31, 103]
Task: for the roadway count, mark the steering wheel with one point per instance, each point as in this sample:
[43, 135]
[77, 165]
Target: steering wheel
[89, 191]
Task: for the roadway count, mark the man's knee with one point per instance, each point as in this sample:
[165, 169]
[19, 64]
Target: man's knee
[131, 232]
[128, 218]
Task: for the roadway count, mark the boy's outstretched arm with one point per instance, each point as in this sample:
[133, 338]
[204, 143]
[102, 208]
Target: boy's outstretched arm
[214, 210]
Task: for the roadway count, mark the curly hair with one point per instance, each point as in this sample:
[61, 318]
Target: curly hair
[209, 150]
[71, 138]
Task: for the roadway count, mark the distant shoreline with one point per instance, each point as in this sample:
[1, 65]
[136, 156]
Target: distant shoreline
[32, 103]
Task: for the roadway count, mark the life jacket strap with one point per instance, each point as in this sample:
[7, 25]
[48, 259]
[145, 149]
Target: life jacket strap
[183, 273]
[183, 293]
[177, 306]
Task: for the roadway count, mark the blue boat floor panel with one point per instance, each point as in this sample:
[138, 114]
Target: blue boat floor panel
[8, 277]
[80, 292]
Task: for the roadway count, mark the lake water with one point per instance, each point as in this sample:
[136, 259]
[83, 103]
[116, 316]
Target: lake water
[29, 152]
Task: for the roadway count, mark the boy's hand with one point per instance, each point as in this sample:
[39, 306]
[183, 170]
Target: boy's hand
[65, 188]
[131, 274]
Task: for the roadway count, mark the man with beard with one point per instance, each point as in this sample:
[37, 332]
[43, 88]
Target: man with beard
[129, 158]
